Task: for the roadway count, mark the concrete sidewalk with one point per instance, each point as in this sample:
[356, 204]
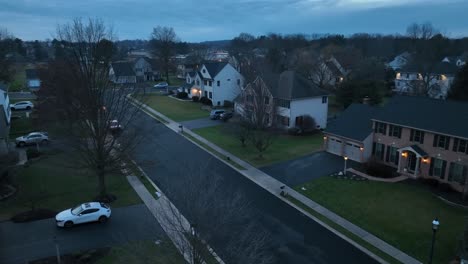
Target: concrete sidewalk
[274, 187]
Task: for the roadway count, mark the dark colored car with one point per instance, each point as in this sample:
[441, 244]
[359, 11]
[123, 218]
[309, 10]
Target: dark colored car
[226, 116]
[216, 114]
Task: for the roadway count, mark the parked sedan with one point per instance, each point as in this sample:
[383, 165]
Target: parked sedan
[115, 126]
[226, 116]
[83, 213]
[32, 138]
[161, 85]
[23, 105]
[215, 114]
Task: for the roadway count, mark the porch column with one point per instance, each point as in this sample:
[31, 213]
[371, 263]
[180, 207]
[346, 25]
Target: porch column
[399, 161]
[418, 159]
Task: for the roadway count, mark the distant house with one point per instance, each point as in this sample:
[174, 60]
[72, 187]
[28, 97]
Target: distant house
[122, 73]
[187, 65]
[410, 80]
[420, 137]
[217, 81]
[294, 96]
[400, 61]
[458, 61]
[5, 118]
[33, 82]
[145, 69]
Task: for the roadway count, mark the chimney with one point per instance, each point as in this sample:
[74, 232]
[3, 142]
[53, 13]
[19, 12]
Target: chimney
[366, 100]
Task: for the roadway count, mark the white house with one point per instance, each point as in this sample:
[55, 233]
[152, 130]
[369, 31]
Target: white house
[400, 61]
[459, 61]
[33, 81]
[440, 80]
[122, 73]
[5, 118]
[217, 81]
[145, 69]
[294, 97]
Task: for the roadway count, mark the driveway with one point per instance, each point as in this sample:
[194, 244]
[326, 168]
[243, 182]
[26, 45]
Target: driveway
[24, 242]
[201, 123]
[305, 169]
[21, 95]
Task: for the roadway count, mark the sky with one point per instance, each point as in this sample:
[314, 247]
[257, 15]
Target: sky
[202, 20]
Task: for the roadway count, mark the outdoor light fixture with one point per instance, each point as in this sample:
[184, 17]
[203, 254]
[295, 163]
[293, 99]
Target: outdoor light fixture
[404, 154]
[325, 138]
[361, 148]
[425, 160]
[345, 159]
[435, 226]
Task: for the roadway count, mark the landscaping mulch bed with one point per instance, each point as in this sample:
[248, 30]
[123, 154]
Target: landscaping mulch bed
[440, 190]
[85, 257]
[33, 215]
[348, 176]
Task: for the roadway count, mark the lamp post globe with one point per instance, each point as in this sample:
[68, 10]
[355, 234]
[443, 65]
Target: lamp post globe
[435, 226]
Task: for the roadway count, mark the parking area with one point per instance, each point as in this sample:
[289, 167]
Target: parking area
[298, 171]
[201, 123]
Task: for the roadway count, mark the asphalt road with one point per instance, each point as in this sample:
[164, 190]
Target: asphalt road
[293, 238]
[307, 168]
[29, 241]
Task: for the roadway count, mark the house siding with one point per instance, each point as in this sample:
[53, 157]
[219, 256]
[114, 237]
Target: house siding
[228, 89]
[310, 106]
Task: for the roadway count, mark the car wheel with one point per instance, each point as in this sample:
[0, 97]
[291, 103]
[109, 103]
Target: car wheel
[44, 142]
[21, 144]
[102, 219]
[28, 108]
[13, 109]
[68, 224]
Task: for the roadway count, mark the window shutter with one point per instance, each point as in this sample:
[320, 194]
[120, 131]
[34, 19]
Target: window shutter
[382, 152]
[376, 124]
[397, 158]
[431, 167]
[373, 148]
[436, 138]
[422, 138]
[387, 157]
[399, 132]
[450, 171]
[455, 144]
[447, 143]
[444, 166]
[465, 172]
[411, 135]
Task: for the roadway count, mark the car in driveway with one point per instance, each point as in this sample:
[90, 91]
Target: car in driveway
[83, 213]
[215, 114]
[32, 138]
[23, 105]
[226, 116]
[115, 126]
[161, 85]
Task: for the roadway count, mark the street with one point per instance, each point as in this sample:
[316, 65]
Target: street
[167, 157]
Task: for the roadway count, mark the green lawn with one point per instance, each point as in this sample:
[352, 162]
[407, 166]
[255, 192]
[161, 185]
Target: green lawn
[174, 109]
[284, 147]
[19, 79]
[143, 252]
[398, 213]
[174, 81]
[53, 183]
[20, 127]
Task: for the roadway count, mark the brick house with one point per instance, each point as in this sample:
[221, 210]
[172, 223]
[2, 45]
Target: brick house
[420, 137]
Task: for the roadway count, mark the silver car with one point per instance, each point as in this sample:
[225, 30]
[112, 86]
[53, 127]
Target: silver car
[32, 138]
[23, 105]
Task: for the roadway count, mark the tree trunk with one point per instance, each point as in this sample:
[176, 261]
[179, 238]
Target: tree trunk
[102, 183]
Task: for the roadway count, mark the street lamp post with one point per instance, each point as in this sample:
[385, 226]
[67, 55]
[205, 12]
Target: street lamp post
[435, 226]
[345, 160]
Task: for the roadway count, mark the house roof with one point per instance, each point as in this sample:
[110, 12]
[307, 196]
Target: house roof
[440, 116]
[354, 123]
[292, 85]
[3, 87]
[214, 68]
[123, 69]
[439, 68]
[332, 67]
[31, 74]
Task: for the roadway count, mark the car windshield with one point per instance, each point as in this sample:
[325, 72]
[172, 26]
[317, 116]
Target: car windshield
[76, 210]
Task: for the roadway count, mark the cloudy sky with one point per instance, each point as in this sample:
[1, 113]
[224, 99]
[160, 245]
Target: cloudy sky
[199, 20]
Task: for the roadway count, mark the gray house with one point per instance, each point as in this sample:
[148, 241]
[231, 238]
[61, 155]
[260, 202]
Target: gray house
[5, 118]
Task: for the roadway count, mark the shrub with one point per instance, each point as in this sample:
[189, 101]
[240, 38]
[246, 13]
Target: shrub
[376, 169]
[206, 101]
[445, 187]
[182, 95]
[195, 98]
[228, 103]
[32, 153]
[430, 181]
[171, 92]
[294, 131]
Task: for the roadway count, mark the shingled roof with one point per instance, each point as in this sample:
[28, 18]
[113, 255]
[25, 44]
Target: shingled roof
[123, 69]
[354, 123]
[214, 68]
[292, 85]
[440, 116]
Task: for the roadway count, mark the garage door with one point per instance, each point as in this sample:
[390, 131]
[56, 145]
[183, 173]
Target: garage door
[334, 146]
[353, 151]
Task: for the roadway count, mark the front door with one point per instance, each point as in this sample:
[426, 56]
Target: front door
[411, 161]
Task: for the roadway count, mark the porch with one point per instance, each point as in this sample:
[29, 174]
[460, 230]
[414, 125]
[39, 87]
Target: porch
[411, 160]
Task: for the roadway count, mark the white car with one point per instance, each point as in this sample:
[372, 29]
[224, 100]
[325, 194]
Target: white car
[83, 213]
[23, 105]
[161, 85]
[32, 138]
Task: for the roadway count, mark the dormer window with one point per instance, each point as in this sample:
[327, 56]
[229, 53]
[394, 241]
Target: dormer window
[203, 71]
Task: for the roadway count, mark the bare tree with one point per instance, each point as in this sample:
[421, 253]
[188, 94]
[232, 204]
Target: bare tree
[6, 41]
[424, 31]
[79, 86]
[212, 216]
[163, 40]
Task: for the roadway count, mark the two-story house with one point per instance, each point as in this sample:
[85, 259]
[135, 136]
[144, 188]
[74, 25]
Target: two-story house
[145, 69]
[419, 136]
[399, 61]
[410, 80]
[218, 81]
[294, 97]
[5, 118]
[122, 73]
